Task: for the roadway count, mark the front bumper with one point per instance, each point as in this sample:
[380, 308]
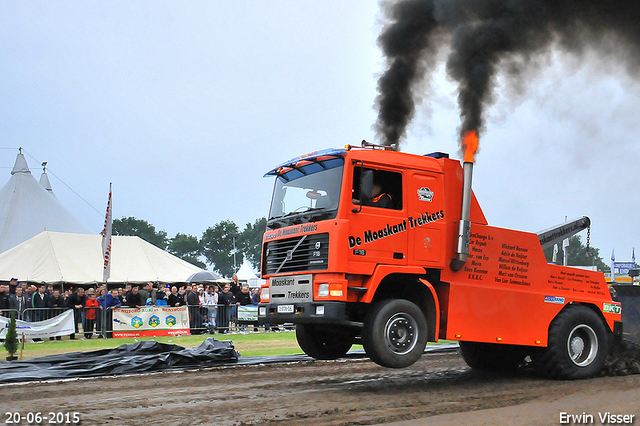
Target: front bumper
[307, 313]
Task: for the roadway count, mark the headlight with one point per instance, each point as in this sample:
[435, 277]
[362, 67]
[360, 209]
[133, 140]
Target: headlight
[264, 294]
[323, 290]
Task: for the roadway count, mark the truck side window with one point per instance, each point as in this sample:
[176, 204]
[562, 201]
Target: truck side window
[383, 191]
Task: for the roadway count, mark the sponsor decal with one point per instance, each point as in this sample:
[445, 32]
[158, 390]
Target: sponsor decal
[425, 194]
[279, 282]
[285, 232]
[611, 308]
[136, 322]
[554, 299]
[170, 321]
[389, 230]
[154, 321]
[298, 295]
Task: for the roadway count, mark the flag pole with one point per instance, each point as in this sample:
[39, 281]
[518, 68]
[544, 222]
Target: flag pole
[613, 259]
[106, 257]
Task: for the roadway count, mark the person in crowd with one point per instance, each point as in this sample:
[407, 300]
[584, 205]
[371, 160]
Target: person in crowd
[243, 297]
[76, 301]
[49, 290]
[18, 302]
[41, 304]
[26, 292]
[111, 302]
[235, 285]
[90, 314]
[134, 300]
[4, 300]
[193, 302]
[102, 294]
[161, 296]
[146, 290]
[225, 300]
[57, 302]
[255, 296]
[173, 299]
[13, 284]
[209, 300]
[182, 291]
[57, 306]
[125, 294]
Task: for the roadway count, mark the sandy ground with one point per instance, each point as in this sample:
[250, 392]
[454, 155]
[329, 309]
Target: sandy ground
[438, 390]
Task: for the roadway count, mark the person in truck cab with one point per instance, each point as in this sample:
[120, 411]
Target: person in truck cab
[378, 198]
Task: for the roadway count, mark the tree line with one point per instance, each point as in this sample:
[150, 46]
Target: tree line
[215, 247]
[578, 254]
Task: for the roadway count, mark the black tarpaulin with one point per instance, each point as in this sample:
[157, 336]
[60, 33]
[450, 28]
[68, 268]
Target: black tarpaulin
[141, 357]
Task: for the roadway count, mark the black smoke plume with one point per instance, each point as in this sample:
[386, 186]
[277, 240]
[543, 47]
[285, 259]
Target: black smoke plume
[483, 37]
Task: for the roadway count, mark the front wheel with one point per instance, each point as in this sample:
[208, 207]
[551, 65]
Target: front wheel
[321, 342]
[577, 344]
[395, 333]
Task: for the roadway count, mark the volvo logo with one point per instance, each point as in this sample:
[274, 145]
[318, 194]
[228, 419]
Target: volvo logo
[318, 245]
[289, 254]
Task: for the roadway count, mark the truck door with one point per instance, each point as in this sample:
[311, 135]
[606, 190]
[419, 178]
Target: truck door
[426, 217]
[377, 221]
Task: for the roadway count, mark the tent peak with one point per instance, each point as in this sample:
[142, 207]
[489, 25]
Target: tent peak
[21, 165]
[44, 181]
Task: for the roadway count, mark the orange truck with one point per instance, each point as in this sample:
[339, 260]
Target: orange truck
[367, 245]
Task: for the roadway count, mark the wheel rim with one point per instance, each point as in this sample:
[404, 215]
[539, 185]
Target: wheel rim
[401, 333]
[582, 345]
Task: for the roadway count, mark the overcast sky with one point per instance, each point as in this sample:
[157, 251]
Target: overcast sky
[185, 105]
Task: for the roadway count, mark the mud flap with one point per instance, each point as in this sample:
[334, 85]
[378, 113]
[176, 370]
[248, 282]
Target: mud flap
[629, 296]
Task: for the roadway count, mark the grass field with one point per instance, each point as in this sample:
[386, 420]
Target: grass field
[252, 344]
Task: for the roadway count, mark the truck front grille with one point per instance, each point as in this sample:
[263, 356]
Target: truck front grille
[305, 253]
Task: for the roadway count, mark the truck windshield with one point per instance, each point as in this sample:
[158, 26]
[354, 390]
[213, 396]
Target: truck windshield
[307, 193]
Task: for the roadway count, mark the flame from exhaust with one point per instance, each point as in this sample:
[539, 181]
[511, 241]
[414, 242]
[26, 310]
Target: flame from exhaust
[469, 145]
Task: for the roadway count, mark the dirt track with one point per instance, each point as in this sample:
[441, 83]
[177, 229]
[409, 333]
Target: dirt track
[345, 392]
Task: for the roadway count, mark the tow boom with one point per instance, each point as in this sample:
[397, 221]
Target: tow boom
[557, 233]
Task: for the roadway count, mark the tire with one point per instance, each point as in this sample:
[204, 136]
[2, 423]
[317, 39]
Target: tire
[578, 343]
[322, 342]
[492, 357]
[395, 333]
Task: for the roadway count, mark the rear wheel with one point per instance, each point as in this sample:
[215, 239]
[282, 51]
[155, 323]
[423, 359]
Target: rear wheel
[395, 333]
[492, 357]
[323, 342]
[577, 344]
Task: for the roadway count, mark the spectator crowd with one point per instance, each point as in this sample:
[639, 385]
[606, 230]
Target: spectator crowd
[212, 307]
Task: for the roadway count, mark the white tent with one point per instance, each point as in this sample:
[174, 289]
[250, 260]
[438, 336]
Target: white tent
[246, 274]
[57, 257]
[27, 208]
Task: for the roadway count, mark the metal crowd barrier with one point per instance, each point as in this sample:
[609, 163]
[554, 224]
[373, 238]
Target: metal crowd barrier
[213, 319]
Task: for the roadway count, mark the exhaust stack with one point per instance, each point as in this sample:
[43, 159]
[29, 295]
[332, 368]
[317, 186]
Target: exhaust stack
[469, 145]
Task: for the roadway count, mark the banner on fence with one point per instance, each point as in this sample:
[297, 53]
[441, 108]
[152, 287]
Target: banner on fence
[248, 313]
[151, 321]
[60, 325]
